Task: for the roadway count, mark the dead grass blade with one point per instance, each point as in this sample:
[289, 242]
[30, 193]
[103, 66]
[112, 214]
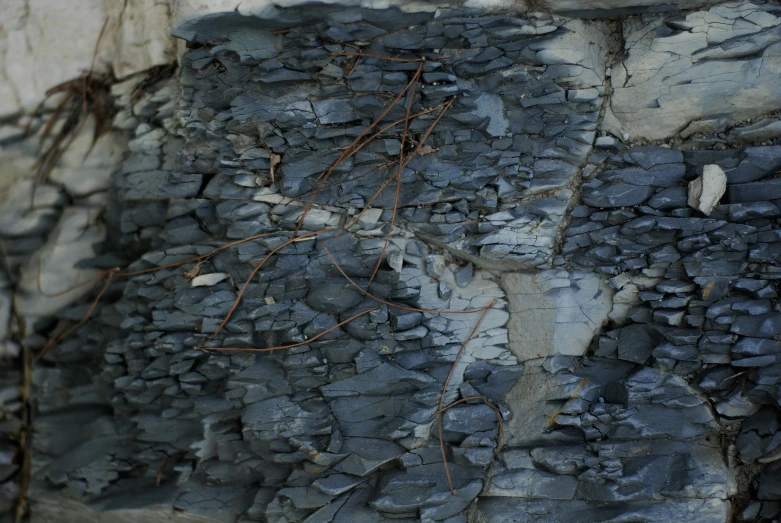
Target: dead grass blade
[196, 259]
[293, 345]
[251, 276]
[114, 273]
[84, 96]
[351, 149]
[444, 392]
[381, 57]
[58, 338]
[411, 95]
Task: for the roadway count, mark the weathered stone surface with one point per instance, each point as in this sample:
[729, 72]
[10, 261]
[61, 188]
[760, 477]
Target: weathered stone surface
[509, 510]
[55, 269]
[706, 190]
[555, 312]
[342, 427]
[686, 71]
[613, 8]
[57, 508]
[136, 38]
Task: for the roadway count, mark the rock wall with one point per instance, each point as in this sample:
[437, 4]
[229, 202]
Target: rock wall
[604, 351]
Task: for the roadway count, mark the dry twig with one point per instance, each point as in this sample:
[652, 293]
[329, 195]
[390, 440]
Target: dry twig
[442, 408]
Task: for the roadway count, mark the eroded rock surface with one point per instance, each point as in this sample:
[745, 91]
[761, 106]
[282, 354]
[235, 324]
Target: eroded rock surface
[695, 72]
[626, 369]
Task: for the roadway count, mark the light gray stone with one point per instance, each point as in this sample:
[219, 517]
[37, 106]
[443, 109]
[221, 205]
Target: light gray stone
[555, 312]
[702, 69]
[705, 191]
[72, 241]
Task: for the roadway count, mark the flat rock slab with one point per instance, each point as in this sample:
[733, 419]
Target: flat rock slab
[555, 312]
[509, 510]
[706, 191]
[702, 69]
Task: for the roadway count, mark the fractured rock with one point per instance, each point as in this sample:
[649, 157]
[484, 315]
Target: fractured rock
[706, 190]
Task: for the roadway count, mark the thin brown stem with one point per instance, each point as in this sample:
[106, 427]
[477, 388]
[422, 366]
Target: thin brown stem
[381, 57]
[485, 400]
[114, 272]
[411, 100]
[196, 259]
[300, 343]
[52, 119]
[366, 207]
[374, 136]
[428, 132]
[97, 45]
[249, 279]
[56, 339]
[71, 288]
[391, 304]
[352, 148]
[389, 180]
[354, 178]
[444, 392]
[59, 150]
[499, 420]
[346, 153]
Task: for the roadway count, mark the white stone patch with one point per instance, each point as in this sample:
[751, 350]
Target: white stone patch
[705, 191]
[669, 80]
[70, 242]
[140, 31]
[555, 312]
[527, 241]
[45, 43]
[207, 280]
[396, 261]
[623, 301]
[450, 330]
[85, 168]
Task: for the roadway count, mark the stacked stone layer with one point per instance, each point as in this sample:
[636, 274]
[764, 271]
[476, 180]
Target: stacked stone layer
[630, 351]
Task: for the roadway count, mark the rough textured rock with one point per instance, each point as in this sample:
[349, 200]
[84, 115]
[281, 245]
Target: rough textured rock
[706, 190]
[693, 70]
[555, 312]
[633, 367]
[706, 287]
[614, 8]
[45, 43]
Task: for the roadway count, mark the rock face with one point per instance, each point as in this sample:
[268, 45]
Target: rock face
[614, 8]
[555, 312]
[45, 43]
[586, 329]
[707, 291]
[608, 434]
[695, 72]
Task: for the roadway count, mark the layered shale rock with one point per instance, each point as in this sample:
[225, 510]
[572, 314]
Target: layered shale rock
[603, 349]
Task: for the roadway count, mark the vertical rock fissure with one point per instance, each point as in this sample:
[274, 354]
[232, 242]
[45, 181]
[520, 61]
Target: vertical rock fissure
[631, 349]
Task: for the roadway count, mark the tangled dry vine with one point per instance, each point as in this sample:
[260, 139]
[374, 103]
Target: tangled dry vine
[407, 151]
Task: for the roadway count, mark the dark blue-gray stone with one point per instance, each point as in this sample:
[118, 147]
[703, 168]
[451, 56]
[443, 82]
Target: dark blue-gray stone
[616, 195]
[333, 296]
[754, 192]
[763, 326]
[463, 275]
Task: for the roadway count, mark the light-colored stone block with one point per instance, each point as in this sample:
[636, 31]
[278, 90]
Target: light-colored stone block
[705, 191]
[555, 312]
[670, 79]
